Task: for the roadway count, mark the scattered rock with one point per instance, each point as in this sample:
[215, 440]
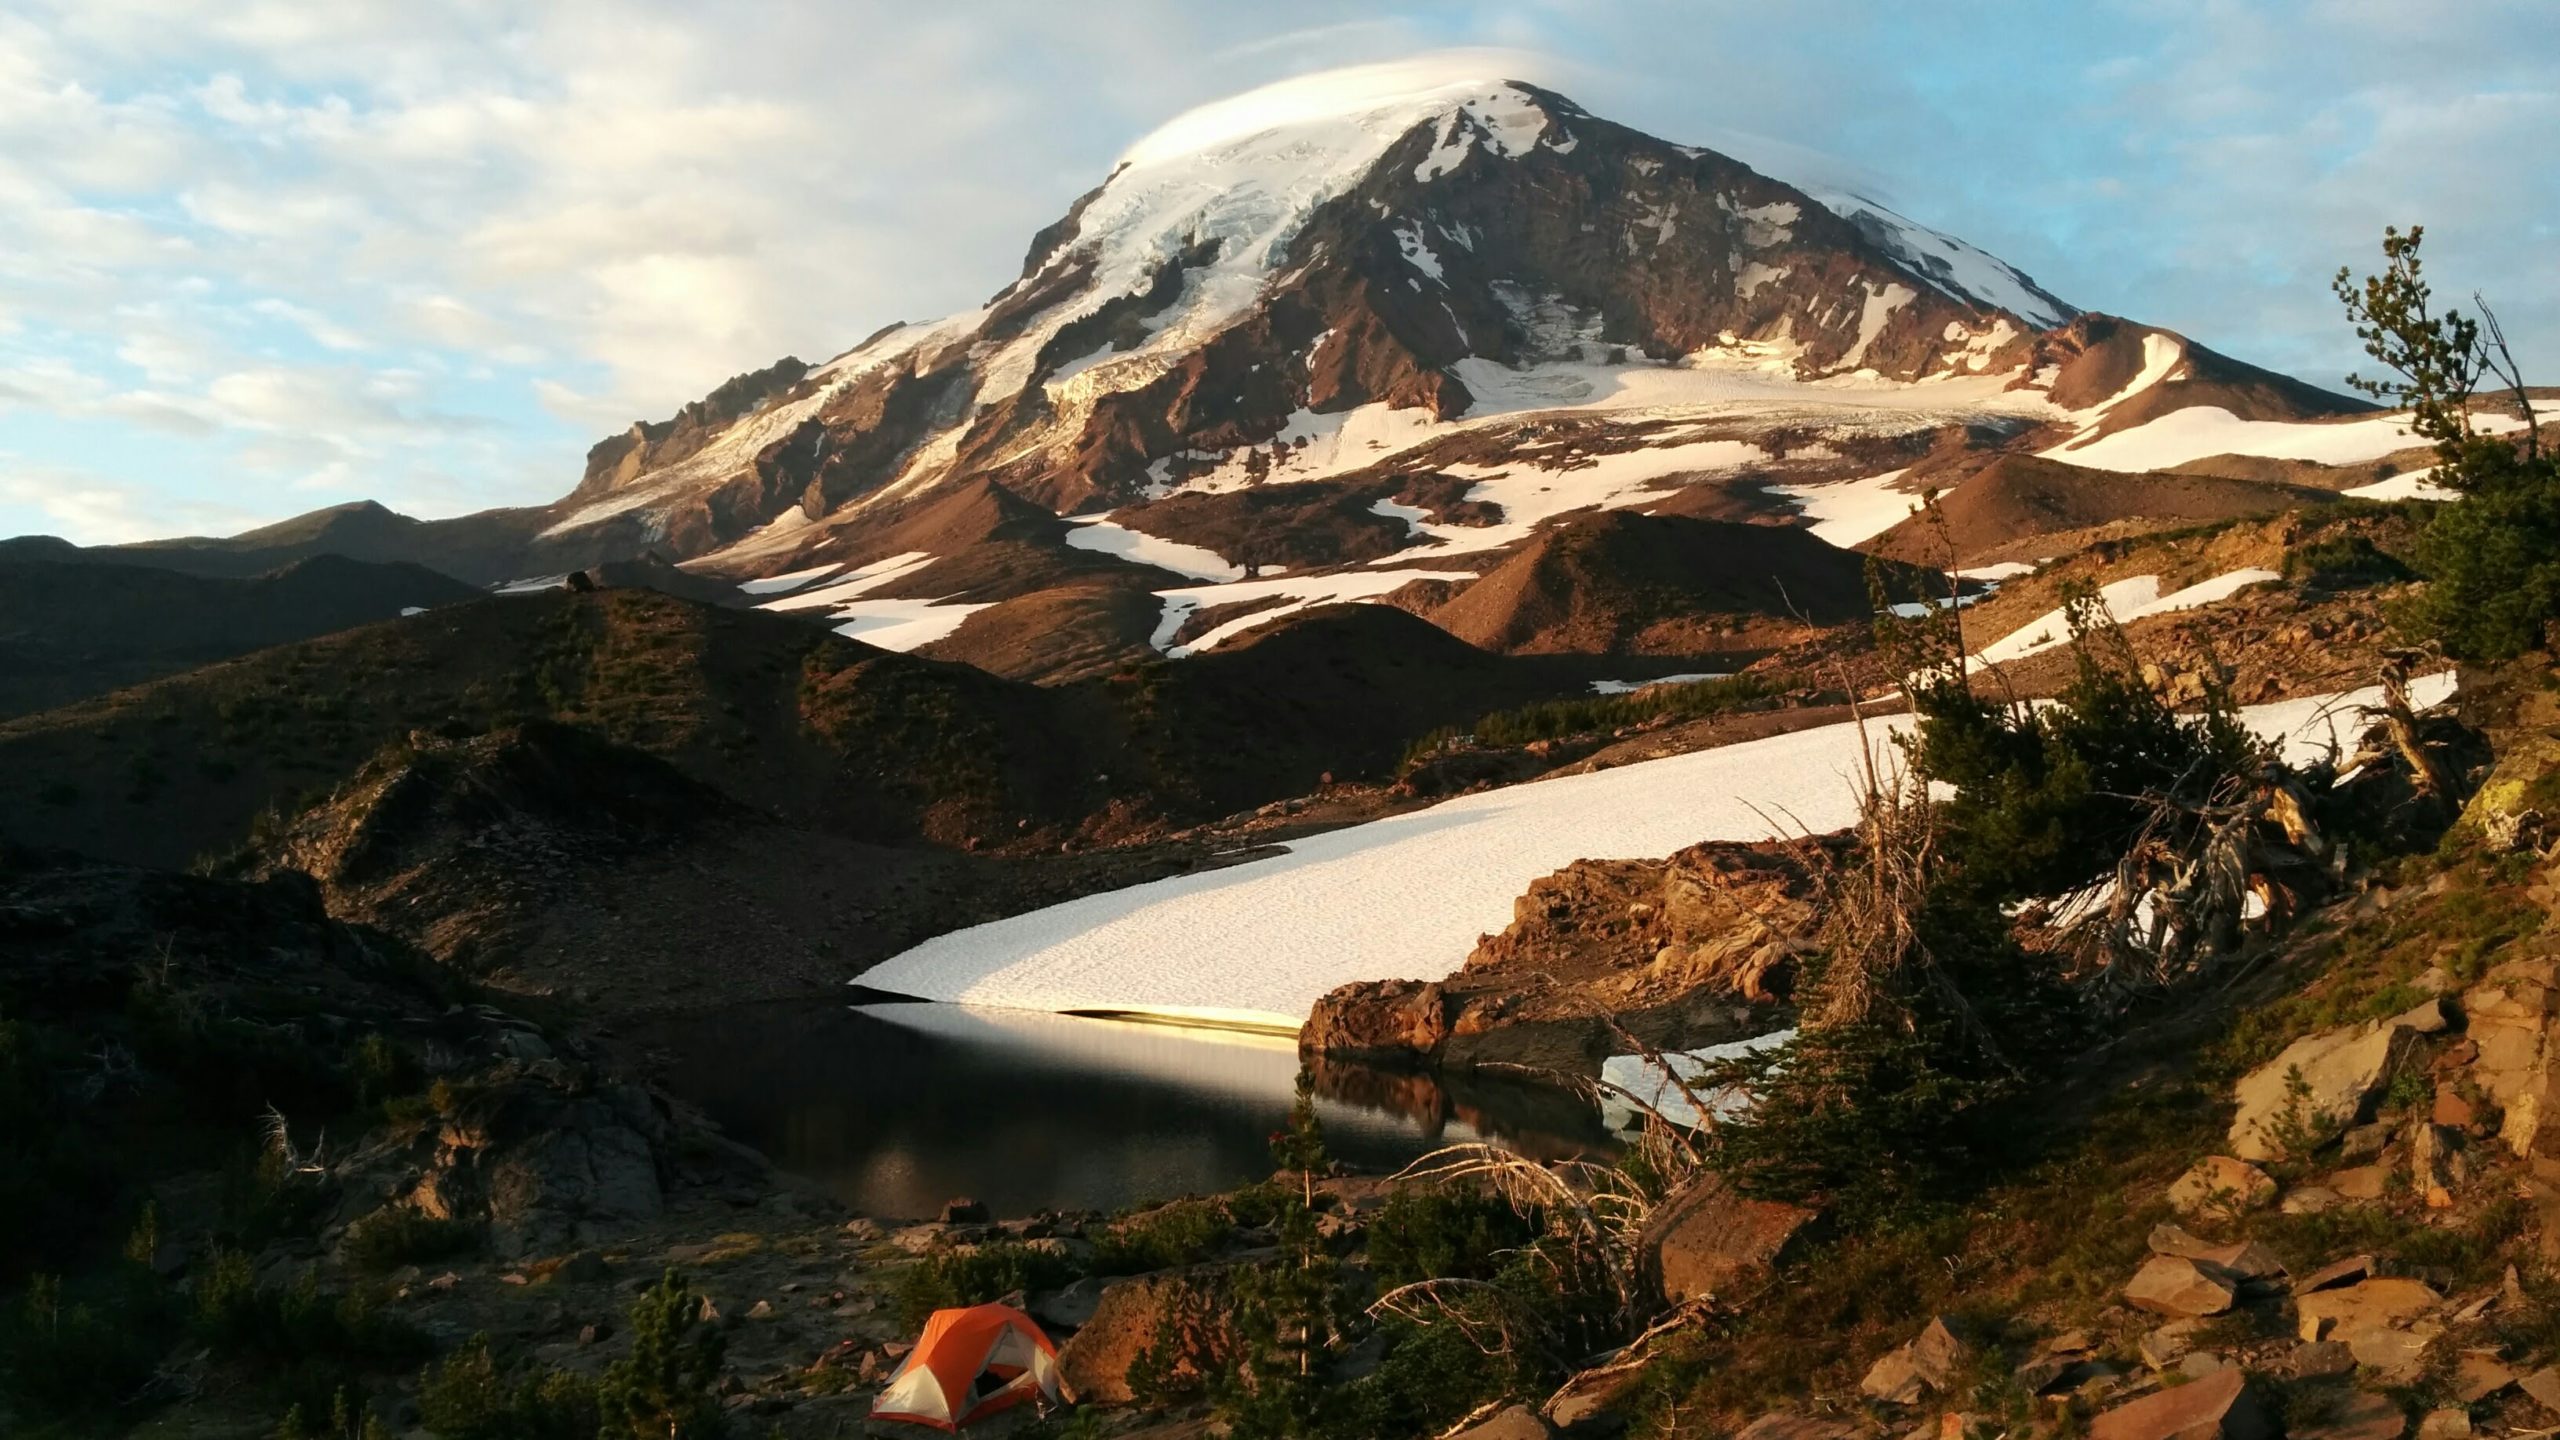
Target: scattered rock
[2543, 1386]
[2220, 1186]
[2173, 1285]
[2334, 1274]
[2247, 1260]
[2310, 1200]
[965, 1211]
[1925, 1363]
[2364, 1142]
[2509, 1019]
[2164, 1347]
[2362, 1182]
[2218, 1407]
[2168, 1239]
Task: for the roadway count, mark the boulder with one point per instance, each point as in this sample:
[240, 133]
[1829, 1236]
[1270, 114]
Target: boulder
[2360, 1182]
[2320, 1360]
[2445, 1425]
[964, 1211]
[1519, 1422]
[2323, 1083]
[1589, 1403]
[2221, 1187]
[1782, 1426]
[2386, 1323]
[2543, 1387]
[1927, 1362]
[1070, 1308]
[2358, 1415]
[1708, 1240]
[2218, 1407]
[2335, 1274]
[2309, 1200]
[2435, 1163]
[1187, 1308]
[2476, 1377]
[2176, 1286]
[2386, 1303]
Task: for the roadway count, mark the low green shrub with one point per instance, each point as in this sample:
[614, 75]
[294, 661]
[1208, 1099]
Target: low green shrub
[1183, 1233]
[470, 1396]
[946, 1279]
[398, 1235]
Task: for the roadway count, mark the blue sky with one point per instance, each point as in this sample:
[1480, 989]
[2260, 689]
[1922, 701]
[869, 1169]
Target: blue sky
[261, 257]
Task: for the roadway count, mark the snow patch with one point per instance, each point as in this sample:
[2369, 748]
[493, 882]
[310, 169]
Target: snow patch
[1634, 1085]
[900, 624]
[1291, 593]
[1629, 687]
[777, 584]
[1848, 511]
[2407, 485]
[2127, 600]
[1102, 536]
[1406, 897]
[860, 582]
[2199, 431]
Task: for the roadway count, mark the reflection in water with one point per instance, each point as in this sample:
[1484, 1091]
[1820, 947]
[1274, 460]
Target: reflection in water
[897, 1108]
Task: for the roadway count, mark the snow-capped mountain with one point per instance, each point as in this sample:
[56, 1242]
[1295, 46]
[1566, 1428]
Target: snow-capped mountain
[1355, 337]
[1261, 271]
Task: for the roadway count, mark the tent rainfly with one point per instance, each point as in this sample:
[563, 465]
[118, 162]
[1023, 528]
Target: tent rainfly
[970, 1364]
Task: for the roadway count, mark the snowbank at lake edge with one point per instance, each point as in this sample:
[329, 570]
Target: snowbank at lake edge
[1407, 897]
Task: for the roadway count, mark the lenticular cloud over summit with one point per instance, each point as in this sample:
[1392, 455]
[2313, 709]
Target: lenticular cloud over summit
[1352, 90]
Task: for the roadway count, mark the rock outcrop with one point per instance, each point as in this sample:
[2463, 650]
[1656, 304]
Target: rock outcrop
[1679, 953]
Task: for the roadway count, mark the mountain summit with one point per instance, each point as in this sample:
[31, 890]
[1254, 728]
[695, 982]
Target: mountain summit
[1266, 262]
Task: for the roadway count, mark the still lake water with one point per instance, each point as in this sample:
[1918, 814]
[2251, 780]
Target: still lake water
[897, 1108]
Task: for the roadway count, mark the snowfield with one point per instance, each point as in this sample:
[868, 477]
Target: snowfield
[2127, 600]
[1407, 897]
[1290, 594]
[2201, 431]
[1102, 536]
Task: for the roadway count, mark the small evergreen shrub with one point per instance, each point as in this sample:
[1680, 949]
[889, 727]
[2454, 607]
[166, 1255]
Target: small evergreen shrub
[662, 1390]
[398, 1235]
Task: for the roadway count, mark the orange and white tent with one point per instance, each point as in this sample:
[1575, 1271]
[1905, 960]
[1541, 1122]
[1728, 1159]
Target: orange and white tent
[970, 1364]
